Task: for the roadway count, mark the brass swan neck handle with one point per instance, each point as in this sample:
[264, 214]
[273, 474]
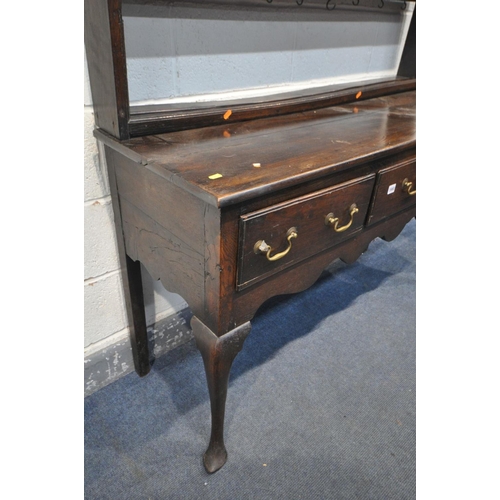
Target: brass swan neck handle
[261, 247]
[331, 220]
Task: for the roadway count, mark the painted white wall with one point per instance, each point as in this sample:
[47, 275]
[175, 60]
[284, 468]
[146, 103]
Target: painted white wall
[183, 54]
[179, 53]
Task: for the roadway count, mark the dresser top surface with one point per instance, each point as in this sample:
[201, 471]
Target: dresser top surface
[242, 160]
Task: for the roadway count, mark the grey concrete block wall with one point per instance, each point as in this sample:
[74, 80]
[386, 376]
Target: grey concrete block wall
[104, 309]
[105, 319]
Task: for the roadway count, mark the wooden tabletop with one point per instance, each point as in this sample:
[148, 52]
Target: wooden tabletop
[238, 161]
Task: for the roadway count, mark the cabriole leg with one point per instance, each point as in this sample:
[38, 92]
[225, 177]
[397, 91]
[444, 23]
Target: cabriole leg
[218, 354]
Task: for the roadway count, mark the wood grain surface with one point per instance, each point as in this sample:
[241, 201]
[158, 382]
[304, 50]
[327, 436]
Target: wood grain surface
[229, 164]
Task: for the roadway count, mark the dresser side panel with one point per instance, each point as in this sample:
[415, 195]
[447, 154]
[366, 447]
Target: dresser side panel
[163, 228]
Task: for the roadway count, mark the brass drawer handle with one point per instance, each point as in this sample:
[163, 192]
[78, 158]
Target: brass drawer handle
[330, 219]
[262, 247]
[407, 185]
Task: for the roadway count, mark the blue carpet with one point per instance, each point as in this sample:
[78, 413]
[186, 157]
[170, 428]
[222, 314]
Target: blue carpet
[321, 401]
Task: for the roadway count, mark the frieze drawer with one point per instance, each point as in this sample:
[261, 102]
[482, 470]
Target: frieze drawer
[276, 237]
[395, 190]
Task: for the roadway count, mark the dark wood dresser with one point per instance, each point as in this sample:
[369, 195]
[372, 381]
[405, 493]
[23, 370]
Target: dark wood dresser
[231, 205]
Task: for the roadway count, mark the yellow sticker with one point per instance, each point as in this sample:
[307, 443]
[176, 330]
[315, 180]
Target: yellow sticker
[256, 165]
[215, 176]
[358, 95]
[227, 114]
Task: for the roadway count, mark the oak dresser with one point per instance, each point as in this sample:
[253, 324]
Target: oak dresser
[232, 204]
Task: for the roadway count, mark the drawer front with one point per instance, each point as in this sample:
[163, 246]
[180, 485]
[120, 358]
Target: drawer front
[276, 237]
[395, 190]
